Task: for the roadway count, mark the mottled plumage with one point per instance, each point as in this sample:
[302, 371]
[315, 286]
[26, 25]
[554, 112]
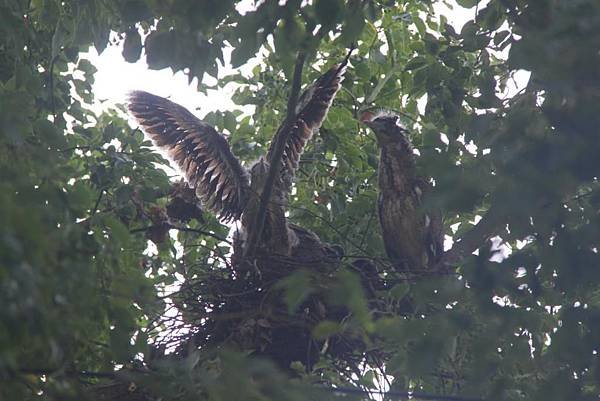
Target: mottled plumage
[276, 235]
[313, 105]
[413, 237]
[221, 182]
[199, 150]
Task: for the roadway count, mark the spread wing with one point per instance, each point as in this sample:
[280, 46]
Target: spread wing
[310, 113]
[199, 150]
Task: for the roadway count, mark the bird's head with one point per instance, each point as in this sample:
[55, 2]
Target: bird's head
[258, 174]
[386, 125]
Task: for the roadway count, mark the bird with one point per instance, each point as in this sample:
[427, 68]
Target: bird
[223, 185]
[412, 234]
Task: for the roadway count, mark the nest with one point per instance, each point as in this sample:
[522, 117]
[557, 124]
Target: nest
[243, 305]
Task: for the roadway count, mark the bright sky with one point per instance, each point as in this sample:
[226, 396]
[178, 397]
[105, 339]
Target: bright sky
[116, 77]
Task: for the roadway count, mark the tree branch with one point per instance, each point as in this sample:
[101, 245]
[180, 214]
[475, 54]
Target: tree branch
[488, 226]
[51, 87]
[97, 204]
[186, 229]
[50, 371]
[279, 147]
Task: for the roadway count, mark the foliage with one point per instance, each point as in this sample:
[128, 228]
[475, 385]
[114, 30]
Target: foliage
[83, 295]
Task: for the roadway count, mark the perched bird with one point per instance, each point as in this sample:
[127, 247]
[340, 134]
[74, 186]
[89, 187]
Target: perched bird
[413, 236]
[220, 181]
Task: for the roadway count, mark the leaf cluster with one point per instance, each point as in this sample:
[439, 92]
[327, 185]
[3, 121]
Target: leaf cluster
[96, 240]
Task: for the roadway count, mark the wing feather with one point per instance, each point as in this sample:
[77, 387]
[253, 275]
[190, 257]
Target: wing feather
[313, 105]
[199, 150]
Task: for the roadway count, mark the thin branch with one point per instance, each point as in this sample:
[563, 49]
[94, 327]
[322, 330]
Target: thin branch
[97, 204]
[74, 148]
[85, 373]
[489, 225]
[295, 93]
[51, 87]
[279, 147]
[198, 231]
[364, 236]
[221, 255]
[185, 229]
[330, 225]
[96, 149]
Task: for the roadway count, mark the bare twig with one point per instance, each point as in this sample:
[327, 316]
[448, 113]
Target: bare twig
[185, 229]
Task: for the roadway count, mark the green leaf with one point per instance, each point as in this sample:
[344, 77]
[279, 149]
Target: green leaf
[49, 134]
[297, 287]
[492, 16]
[353, 24]
[399, 291]
[419, 24]
[132, 46]
[326, 329]
[58, 39]
[294, 32]
[416, 63]
[101, 34]
[368, 379]
[229, 121]
[123, 194]
[467, 3]
[328, 12]
[348, 291]
[119, 232]
[500, 36]
[87, 67]
[160, 50]
[247, 48]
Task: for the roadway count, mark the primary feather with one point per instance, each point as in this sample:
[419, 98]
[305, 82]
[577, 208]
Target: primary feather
[220, 181]
[199, 150]
[313, 105]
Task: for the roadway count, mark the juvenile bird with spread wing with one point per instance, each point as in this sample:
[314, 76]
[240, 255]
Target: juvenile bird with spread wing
[221, 182]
